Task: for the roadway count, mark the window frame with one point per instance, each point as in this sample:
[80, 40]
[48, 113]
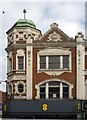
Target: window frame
[22, 88]
[61, 62]
[57, 93]
[22, 63]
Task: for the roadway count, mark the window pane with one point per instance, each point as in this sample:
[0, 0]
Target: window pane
[66, 61]
[20, 62]
[54, 59]
[54, 92]
[54, 83]
[42, 90]
[65, 92]
[54, 62]
[42, 93]
[20, 88]
[42, 66]
[66, 58]
[65, 65]
[42, 62]
[54, 89]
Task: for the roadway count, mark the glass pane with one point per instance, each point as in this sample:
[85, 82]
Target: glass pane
[42, 62]
[54, 83]
[42, 65]
[66, 58]
[54, 59]
[65, 65]
[20, 62]
[54, 92]
[54, 62]
[65, 89]
[66, 61]
[42, 96]
[65, 92]
[42, 59]
[54, 65]
[54, 89]
[42, 89]
[42, 93]
[20, 88]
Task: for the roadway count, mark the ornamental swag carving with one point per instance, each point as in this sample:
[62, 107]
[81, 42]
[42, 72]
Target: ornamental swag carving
[54, 37]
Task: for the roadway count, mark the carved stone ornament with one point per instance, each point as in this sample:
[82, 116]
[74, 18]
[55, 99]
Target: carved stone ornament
[54, 37]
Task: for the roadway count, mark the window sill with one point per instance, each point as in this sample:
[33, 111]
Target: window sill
[54, 71]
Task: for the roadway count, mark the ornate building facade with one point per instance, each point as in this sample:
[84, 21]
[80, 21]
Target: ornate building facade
[48, 66]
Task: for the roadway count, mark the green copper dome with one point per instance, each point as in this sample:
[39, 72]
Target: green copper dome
[25, 23]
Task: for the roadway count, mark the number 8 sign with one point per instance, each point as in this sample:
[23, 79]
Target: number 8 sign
[44, 107]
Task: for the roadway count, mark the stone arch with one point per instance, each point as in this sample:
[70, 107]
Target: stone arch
[56, 80]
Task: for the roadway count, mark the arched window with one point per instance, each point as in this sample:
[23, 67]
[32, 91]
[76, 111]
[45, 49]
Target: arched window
[20, 88]
[54, 90]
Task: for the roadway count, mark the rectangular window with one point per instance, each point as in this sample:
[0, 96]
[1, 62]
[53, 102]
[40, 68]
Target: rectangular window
[66, 61]
[54, 62]
[21, 62]
[42, 62]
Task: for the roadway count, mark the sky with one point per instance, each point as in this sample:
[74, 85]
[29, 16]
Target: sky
[70, 16]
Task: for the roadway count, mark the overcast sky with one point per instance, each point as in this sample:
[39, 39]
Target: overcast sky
[70, 15]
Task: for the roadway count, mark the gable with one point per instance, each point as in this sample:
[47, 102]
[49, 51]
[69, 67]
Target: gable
[54, 34]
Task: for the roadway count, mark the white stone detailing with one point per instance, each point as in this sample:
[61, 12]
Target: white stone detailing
[47, 85]
[19, 97]
[59, 51]
[16, 87]
[54, 37]
[47, 89]
[32, 32]
[9, 62]
[29, 64]
[10, 90]
[56, 51]
[86, 90]
[16, 77]
[61, 90]
[53, 72]
[80, 67]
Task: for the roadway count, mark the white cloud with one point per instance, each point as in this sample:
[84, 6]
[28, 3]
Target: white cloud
[43, 0]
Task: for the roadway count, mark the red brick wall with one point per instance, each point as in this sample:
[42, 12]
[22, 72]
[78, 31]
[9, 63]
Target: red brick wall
[2, 96]
[38, 77]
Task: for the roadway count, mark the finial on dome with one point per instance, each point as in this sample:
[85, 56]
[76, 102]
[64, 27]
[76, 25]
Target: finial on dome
[24, 11]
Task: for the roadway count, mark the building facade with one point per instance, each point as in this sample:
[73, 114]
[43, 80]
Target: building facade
[45, 66]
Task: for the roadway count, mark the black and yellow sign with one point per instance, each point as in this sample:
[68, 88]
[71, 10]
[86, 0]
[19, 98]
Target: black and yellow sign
[84, 105]
[44, 107]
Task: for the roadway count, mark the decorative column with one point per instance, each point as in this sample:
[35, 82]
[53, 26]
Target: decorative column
[80, 66]
[29, 60]
[47, 90]
[61, 91]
